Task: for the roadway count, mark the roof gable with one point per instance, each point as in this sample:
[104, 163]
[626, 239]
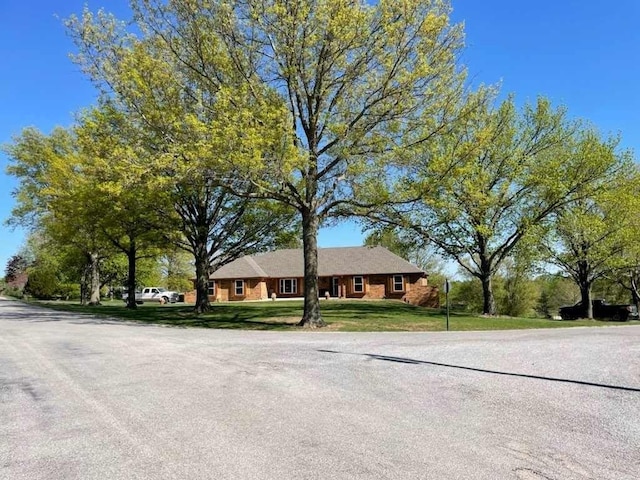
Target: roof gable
[337, 261]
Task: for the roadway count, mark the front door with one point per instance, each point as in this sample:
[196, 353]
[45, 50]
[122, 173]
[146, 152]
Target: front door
[335, 286]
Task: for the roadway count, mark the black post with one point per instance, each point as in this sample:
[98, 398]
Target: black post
[447, 287]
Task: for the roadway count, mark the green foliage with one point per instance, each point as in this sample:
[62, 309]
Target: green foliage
[407, 246]
[296, 102]
[494, 181]
[610, 289]
[52, 272]
[518, 296]
[149, 273]
[466, 296]
[43, 282]
[38, 161]
[389, 238]
[13, 292]
[177, 271]
[199, 121]
[555, 291]
[69, 291]
[594, 237]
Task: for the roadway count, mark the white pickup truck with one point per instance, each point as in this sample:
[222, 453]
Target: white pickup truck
[154, 294]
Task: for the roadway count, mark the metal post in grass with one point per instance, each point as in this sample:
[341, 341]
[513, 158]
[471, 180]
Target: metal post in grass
[447, 287]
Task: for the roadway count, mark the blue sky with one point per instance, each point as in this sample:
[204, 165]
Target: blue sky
[584, 54]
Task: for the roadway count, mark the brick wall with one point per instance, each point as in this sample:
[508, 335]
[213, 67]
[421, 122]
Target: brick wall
[375, 286]
[423, 296]
[190, 297]
[417, 291]
[255, 289]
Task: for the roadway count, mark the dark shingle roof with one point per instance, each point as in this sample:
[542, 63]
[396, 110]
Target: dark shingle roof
[331, 262]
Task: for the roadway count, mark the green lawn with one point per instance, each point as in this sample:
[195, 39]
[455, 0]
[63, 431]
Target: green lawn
[345, 316]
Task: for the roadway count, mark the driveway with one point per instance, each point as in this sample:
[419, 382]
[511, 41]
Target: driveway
[84, 398]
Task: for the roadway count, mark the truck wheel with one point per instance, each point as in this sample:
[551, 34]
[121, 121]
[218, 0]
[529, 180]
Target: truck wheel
[620, 317]
[165, 299]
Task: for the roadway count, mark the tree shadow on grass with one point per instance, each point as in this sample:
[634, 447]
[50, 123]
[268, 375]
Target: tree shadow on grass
[412, 361]
[252, 316]
[224, 317]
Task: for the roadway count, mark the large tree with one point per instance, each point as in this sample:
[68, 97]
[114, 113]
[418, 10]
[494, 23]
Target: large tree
[339, 83]
[595, 237]
[498, 177]
[359, 82]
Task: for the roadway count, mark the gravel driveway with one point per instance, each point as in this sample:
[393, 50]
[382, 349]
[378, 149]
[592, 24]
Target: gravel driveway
[83, 398]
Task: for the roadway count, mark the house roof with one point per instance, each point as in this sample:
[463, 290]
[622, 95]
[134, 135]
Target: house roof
[331, 262]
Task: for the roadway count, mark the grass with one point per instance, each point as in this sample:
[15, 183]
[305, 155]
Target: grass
[345, 316]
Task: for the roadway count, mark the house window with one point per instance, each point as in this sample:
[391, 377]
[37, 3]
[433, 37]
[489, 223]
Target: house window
[289, 285]
[211, 288]
[239, 288]
[358, 284]
[398, 283]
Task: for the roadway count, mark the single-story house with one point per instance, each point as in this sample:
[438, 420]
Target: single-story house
[345, 272]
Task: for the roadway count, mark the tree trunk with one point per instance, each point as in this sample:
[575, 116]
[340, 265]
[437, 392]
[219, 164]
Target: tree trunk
[311, 317]
[635, 294]
[584, 283]
[84, 282]
[94, 277]
[585, 297]
[201, 257]
[488, 302]
[131, 278]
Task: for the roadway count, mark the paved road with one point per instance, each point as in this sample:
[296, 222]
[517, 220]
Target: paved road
[82, 398]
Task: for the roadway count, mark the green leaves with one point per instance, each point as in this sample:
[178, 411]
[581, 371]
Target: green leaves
[497, 177]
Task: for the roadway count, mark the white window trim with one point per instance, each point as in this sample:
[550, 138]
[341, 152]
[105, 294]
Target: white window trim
[294, 286]
[211, 288]
[394, 283]
[235, 288]
[355, 286]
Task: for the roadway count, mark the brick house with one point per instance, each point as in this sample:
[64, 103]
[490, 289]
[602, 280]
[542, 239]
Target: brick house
[346, 272]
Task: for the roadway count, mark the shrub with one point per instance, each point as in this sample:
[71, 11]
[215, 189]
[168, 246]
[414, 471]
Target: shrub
[13, 292]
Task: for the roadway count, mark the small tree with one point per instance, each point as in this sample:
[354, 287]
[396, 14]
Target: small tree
[519, 294]
[47, 168]
[555, 291]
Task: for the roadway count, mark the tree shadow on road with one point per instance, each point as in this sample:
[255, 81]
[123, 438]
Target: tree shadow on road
[37, 314]
[412, 361]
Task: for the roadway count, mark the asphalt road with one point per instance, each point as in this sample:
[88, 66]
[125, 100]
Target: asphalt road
[82, 398]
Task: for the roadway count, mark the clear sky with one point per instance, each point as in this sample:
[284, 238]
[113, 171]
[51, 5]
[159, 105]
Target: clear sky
[584, 54]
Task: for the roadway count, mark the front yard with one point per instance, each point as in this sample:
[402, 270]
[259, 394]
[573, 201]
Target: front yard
[345, 316]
